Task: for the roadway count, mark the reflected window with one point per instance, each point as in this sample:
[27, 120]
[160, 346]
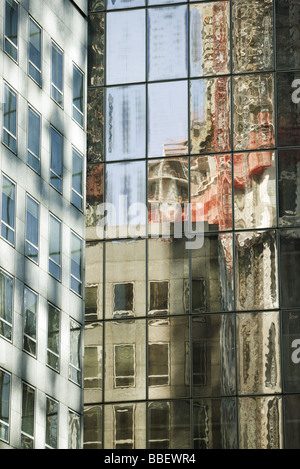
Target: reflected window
[76, 264]
[57, 75]
[4, 406]
[51, 423]
[158, 366]
[290, 268]
[8, 210]
[75, 352]
[28, 417]
[78, 90]
[11, 28]
[159, 298]
[288, 109]
[201, 426]
[55, 247]
[198, 295]
[289, 187]
[287, 34]
[123, 299]
[91, 307]
[32, 229]
[96, 49]
[35, 52]
[124, 366]
[93, 427]
[159, 425]
[124, 427]
[34, 139]
[199, 363]
[74, 430]
[56, 164]
[93, 367]
[6, 305]
[77, 179]
[53, 339]
[10, 118]
[95, 124]
[30, 316]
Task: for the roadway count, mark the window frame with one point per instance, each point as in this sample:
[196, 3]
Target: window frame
[168, 345]
[49, 351]
[13, 229]
[26, 336]
[159, 312]
[72, 366]
[159, 405]
[72, 276]
[52, 84]
[82, 114]
[31, 437]
[123, 313]
[128, 441]
[2, 320]
[48, 398]
[37, 157]
[28, 196]
[73, 190]
[51, 216]
[29, 61]
[72, 412]
[115, 376]
[6, 38]
[4, 129]
[7, 425]
[52, 172]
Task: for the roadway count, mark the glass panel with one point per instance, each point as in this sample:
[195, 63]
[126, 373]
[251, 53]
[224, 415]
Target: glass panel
[253, 125]
[289, 185]
[252, 35]
[93, 363]
[76, 264]
[77, 179]
[30, 306]
[169, 425]
[93, 427]
[168, 363]
[260, 423]
[28, 412]
[95, 125]
[126, 123]
[211, 187]
[116, 4]
[74, 431]
[4, 405]
[167, 39]
[168, 119]
[254, 190]
[11, 28]
[94, 281]
[6, 305]
[75, 352]
[291, 352]
[125, 47]
[292, 421]
[212, 275]
[94, 200]
[290, 268]
[57, 74]
[96, 50]
[55, 248]
[10, 118]
[53, 346]
[124, 431]
[35, 51]
[8, 210]
[34, 137]
[51, 423]
[78, 91]
[258, 348]
[125, 360]
[32, 229]
[287, 34]
[288, 108]
[215, 424]
[126, 199]
[56, 159]
[213, 356]
[256, 271]
[209, 39]
[96, 5]
[210, 126]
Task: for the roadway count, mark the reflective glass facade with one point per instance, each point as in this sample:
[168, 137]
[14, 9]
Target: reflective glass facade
[193, 128]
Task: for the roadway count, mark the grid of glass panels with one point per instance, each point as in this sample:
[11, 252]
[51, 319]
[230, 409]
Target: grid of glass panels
[193, 116]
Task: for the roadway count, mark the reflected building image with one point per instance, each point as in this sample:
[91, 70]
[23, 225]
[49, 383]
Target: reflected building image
[192, 346]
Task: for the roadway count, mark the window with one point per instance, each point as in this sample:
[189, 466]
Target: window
[158, 364]
[124, 372]
[56, 159]
[8, 210]
[27, 432]
[123, 299]
[201, 426]
[78, 95]
[35, 51]
[32, 229]
[51, 423]
[76, 264]
[34, 139]
[159, 423]
[74, 430]
[75, 352]
[57, 75]
[11, 29]
[6, 305]
[93, 367]
[53, 344]
[124, 427]
[77, 178]
[55, 248]
[199, 363]
[30, 309]
[159, 298]
[10, 118]
[4, 405]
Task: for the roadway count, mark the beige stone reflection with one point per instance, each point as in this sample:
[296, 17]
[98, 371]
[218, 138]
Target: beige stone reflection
[258, 345]
[260, 423]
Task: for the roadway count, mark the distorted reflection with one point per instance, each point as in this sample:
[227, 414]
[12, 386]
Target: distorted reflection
[289, 187]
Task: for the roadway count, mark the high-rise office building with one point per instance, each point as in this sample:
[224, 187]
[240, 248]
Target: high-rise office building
[193, 113]
[43, 70]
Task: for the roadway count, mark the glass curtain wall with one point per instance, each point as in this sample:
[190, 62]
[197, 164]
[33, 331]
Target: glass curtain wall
[193, 235]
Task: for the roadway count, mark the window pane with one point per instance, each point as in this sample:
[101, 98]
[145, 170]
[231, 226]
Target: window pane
[287, 34]
[57, 75]
[28, 417]
[8, 210]
[51, 423]
[95, 124]
[125, 48]
[114, 4]
[74, 431]
[76, 264]
[75, 352]
[32, 229]
[30, 306]
[292, 421]
[124, 366]
[55, 248]
[78, 95]
[96, 49]
[168, 119]
[77, 179]
[167, 36]
[10, 118]
[288, 109]
[158, 364]
[289, 185]
[35, 50]
[56, 159]
[93, 427]
[126, 114]
[6, 305]
[290, 348]
[34, 137]
[4, 405]
[290, 268]
[53, 346]
[11, 28]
